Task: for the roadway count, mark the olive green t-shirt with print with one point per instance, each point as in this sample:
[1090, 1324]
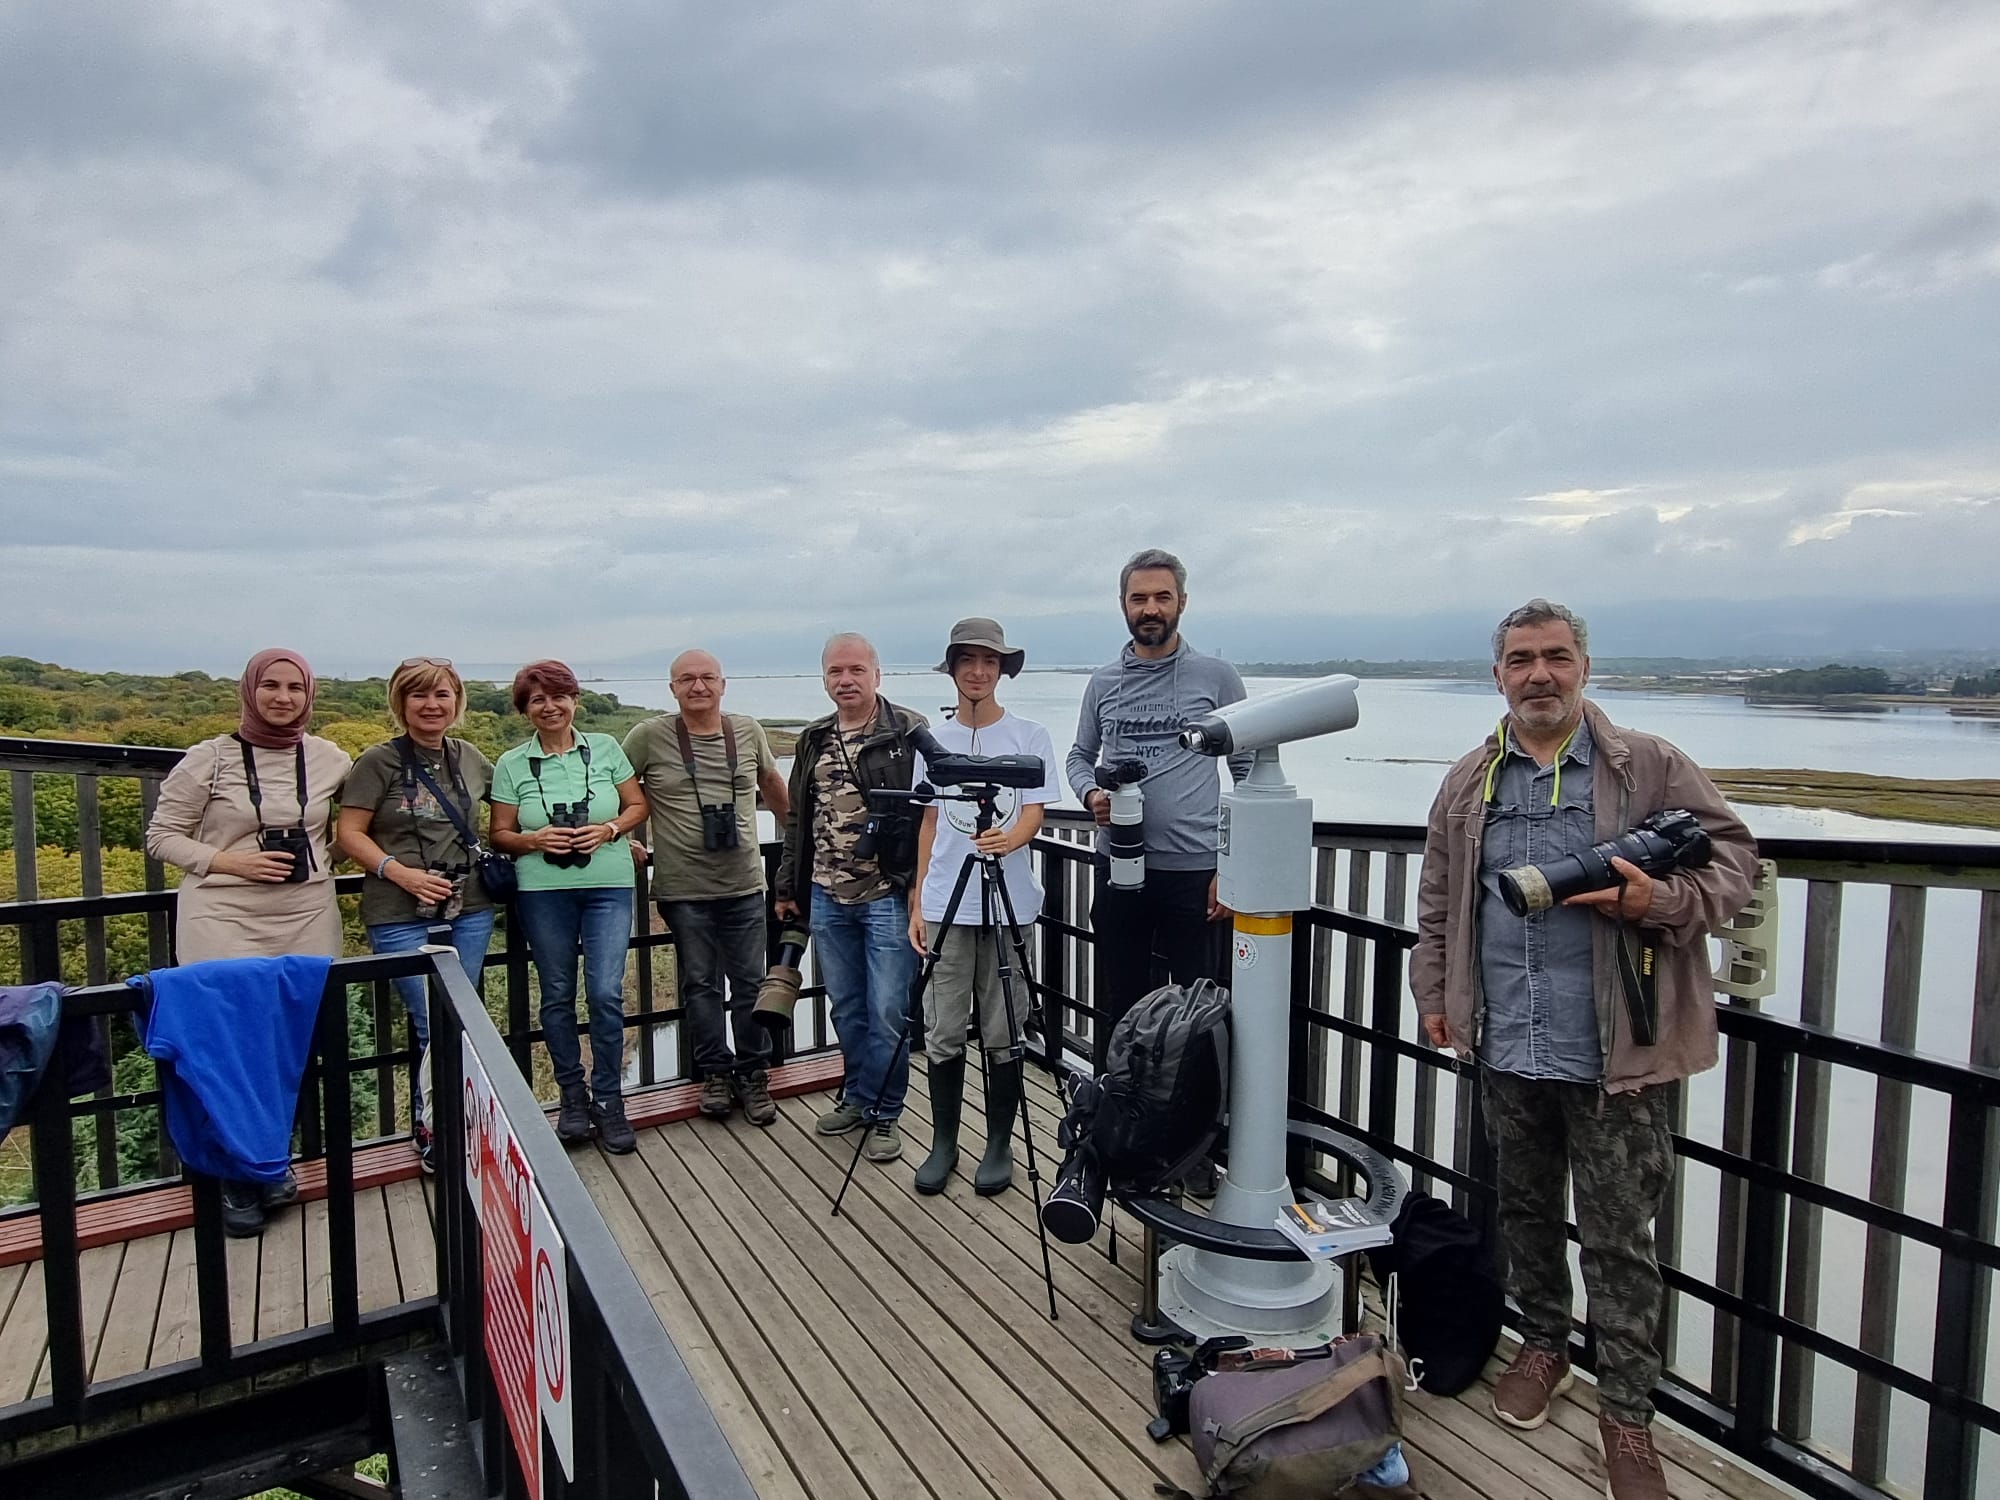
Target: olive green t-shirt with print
[684, 869]
[406, 820]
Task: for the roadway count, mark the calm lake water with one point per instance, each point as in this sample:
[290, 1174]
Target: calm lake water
[1387, 769]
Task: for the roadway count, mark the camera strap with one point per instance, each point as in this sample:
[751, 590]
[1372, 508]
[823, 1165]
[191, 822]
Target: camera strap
[729, 746]
[256, 787]
[413, 765]
[1639, 976]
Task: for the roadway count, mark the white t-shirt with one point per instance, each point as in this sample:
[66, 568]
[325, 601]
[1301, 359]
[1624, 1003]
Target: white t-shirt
[1007, 735]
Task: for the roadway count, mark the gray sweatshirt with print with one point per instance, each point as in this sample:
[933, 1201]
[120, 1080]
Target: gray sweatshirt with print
[1133, 708]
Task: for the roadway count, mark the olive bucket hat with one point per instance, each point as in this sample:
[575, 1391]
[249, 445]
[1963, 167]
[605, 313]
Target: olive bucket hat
[979, 631]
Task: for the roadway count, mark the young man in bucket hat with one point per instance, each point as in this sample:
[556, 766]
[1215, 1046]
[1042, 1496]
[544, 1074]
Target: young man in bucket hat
[967, 973]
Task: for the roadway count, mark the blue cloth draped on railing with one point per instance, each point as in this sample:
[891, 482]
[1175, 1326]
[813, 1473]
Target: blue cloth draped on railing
[237, 1031]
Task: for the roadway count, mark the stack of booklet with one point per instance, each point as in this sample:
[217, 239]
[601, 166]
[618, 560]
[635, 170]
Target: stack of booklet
[1325, 1230]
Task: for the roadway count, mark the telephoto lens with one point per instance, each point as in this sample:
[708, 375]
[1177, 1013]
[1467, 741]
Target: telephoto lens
[1665, 842]
[1075, 1206]
[1125, 838]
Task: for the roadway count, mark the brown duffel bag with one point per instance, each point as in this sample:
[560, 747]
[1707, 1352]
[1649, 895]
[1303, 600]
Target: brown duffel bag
[1303, 1430]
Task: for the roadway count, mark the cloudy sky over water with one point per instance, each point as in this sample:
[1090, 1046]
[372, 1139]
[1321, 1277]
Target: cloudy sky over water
[603, 327]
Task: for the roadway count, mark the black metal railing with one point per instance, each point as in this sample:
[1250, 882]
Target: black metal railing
[637, 1415]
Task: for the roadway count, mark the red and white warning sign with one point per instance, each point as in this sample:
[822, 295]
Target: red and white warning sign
[526, 1290]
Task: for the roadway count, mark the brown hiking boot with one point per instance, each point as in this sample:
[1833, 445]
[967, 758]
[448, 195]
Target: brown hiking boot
[718, 1099]
[1632, 1467]
[1526, 1387]
[754, 1089]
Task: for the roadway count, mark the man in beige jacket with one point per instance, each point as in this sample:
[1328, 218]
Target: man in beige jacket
[1576, 1091]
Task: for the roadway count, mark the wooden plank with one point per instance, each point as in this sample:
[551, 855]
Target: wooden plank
[318, 1265]
[416, 1247]
[1516, 1466]
[765, 1374]
[375, 1252]
[21, 785]
[1075, 1361]
[135, 1309]
[1882, 1259]
[755, 1447]
[1819, 980]
[177, 1329]
[24, 1336]
[1004, 1438]
[281, 1274]
[239, 1259]
[98, 1270]
[871, 1435]
[856, 1337]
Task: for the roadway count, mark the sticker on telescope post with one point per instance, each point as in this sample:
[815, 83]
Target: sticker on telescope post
[1246, 951]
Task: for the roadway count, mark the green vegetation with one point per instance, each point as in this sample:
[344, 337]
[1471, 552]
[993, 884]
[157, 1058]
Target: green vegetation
[1955, 804]
[1987, 685]
[1820, 682]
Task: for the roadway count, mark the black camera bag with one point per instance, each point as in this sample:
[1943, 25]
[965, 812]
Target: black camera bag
[1450, 1298]
[1164, 1086]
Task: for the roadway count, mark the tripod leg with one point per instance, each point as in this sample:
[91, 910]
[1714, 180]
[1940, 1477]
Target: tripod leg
[997, 891]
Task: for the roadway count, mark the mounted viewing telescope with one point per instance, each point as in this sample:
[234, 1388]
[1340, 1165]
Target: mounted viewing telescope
[1264, 870]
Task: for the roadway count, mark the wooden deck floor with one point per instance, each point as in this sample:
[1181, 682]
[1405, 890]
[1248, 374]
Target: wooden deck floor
[905, 1349]
[139, 1307]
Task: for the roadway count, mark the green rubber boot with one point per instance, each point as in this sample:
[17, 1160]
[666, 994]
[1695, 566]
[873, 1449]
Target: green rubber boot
[947, 1101]
[1003, 1112]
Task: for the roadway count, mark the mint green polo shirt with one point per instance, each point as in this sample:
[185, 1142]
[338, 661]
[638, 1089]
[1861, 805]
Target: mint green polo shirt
[562, 780]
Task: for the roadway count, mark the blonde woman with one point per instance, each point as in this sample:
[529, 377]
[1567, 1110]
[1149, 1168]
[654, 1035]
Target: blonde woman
[409, 806]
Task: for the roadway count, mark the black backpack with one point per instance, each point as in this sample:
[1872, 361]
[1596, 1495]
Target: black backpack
[1164, 1086]
[1451, 1299]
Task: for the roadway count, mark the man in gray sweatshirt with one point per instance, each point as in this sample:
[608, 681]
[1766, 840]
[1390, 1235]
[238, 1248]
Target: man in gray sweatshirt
[1133, 709]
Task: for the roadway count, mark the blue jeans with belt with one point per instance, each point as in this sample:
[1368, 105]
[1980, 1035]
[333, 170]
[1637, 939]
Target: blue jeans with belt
[863, 956]
[598, 921]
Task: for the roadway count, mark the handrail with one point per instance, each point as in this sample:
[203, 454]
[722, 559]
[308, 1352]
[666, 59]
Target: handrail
[632, 1387]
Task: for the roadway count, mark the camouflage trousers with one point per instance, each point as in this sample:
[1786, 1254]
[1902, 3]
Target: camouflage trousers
[1617, 1150]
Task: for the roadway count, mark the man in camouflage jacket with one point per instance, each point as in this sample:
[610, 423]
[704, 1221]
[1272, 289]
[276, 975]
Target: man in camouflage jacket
[1572, 1096]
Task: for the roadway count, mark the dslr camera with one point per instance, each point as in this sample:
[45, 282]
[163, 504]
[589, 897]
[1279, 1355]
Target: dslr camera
[1667, 841]
[293, 841]
[719, 828]
[569, 815]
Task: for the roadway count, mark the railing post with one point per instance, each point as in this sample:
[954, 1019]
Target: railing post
[1770, 1106]
[518, 1042]
[1949, 1467]
[1299, 1087]
[1383, 1063]
[1818, 982]
[1055, 973]
[62, 1280]
[337, 1081]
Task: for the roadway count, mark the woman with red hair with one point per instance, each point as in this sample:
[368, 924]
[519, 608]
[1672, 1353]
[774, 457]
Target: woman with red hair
[563, 803]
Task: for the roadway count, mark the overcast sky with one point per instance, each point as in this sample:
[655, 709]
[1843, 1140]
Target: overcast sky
[596, 329]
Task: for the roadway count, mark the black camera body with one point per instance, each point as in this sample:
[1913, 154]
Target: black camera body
[719, 828]
[1121, 773]
[569, 815]
[452, 905]
[293, 841]
[1670, 840]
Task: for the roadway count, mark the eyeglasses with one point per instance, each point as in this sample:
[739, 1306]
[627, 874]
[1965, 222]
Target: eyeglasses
[423, 661]
[689, 679]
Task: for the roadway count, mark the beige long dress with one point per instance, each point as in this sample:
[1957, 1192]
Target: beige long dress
[204, 810]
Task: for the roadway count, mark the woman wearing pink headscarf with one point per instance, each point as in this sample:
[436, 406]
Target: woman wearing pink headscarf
[246, 815]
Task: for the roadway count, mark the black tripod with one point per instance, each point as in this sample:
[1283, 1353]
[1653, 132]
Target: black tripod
[994, 901]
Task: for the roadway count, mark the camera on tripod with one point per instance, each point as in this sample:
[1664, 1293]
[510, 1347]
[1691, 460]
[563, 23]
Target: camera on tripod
[293, 841]
[1125, 839]
[569, 815]
[950, 768]
[1667, 841]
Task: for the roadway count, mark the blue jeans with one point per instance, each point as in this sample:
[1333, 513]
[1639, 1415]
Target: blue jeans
[715, 941]
[864, 958]
[471, 933]
[556, 923]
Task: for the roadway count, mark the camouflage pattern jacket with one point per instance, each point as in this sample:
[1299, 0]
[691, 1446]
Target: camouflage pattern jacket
[1633, 776]
[885, 761]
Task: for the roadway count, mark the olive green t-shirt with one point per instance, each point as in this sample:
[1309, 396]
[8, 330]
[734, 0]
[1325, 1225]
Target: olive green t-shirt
[683, 869]
[406, 820]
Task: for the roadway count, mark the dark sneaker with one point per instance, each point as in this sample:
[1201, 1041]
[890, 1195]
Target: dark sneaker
[242, 1209]
[276, 1195]
[1522, 1395]
[1632, 1467]
[422, 1143]
[573, 1118]
[614, 1131]
[754, 1089]
[842, 1118]
[885, 1142]
[718, 1099]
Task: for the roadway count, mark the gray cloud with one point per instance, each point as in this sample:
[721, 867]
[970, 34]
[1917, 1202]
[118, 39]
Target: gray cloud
[675, 320]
